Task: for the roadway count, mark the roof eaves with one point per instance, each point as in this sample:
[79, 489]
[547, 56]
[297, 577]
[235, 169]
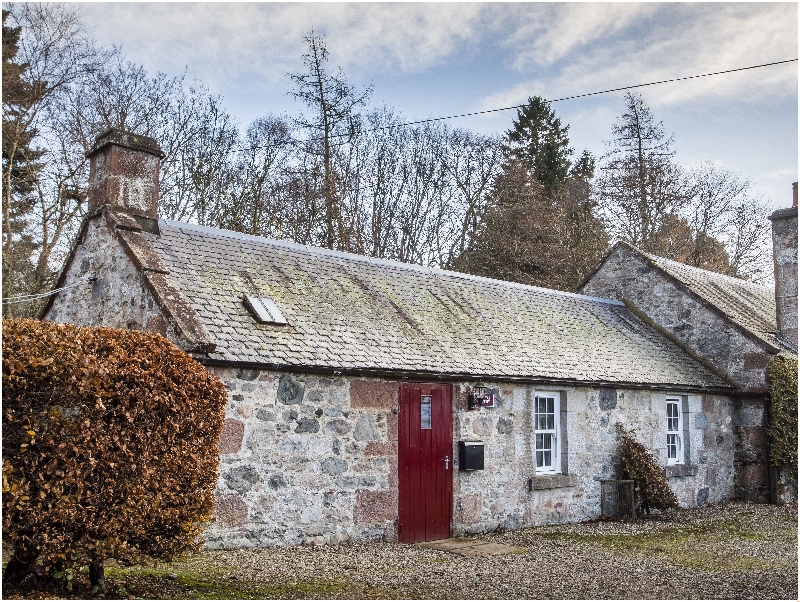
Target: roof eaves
[427, 375]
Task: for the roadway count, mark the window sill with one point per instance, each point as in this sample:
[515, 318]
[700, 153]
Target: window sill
[553, 481]
[680, 470]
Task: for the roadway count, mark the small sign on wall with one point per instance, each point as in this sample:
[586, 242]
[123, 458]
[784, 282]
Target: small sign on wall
[488, 400]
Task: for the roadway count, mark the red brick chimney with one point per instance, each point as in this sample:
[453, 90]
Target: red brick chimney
[784, 254]
[123, 173]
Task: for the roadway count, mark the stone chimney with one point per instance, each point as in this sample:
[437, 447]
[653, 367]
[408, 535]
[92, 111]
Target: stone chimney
[784, 254]
[123, 173]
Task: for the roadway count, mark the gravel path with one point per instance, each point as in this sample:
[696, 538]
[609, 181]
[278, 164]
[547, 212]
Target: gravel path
[731, 551]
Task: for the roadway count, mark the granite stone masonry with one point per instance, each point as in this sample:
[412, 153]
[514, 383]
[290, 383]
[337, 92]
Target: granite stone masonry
[784, 253]
[320, 465]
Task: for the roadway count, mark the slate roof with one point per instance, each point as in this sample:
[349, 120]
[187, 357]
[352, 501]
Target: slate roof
[748, 305]
[353, 313]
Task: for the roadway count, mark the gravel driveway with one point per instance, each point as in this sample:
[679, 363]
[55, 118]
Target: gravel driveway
[729, 551]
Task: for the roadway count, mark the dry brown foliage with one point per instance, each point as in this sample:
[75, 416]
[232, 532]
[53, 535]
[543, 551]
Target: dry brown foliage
[109, 445]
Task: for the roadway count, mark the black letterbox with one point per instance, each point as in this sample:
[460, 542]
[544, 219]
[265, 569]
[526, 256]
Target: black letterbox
[470, 455]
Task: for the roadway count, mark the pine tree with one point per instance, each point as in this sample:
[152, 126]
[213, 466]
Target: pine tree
[21, 165]
[540, 141]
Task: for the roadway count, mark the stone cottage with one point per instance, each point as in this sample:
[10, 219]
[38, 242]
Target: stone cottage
[371, 399]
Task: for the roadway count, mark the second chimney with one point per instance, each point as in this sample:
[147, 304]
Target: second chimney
[784, 254]
[124, 170]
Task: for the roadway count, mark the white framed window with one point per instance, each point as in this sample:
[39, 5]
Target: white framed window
[546, 430]
[674, 431]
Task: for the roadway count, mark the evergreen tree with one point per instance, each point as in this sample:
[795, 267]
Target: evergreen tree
[540, 226]
[534, 236]
[538, 139]
[21, 166]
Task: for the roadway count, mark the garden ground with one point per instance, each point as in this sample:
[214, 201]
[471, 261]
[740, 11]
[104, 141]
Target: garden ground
[731, 551]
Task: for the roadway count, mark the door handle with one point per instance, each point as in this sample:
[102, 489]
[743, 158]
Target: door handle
[446, 462]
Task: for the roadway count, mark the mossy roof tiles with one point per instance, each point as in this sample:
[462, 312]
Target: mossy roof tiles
[349, 312]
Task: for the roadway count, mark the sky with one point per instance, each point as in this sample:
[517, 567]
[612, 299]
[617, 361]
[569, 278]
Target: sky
[438, 59]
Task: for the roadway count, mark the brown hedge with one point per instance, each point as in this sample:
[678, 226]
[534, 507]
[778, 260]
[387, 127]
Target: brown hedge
[109, 445]
[651, 487]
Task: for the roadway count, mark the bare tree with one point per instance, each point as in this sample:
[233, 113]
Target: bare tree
[706, 216]
[333, 102]
[724, 210]
[70, 90]
[639, 183]
[53, 53]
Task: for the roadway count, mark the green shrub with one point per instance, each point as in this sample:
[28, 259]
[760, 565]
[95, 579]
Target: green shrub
[783, 412]
[649, 482]
[109, 447]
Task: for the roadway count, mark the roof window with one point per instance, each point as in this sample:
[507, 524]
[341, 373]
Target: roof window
[264, 310]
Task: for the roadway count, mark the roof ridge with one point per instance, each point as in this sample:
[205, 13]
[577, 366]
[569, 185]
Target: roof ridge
[378, 261]
[732, 279]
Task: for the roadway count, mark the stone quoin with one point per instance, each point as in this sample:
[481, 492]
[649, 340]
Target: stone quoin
[350, 377]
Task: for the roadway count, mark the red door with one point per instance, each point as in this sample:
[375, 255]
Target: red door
[425, 462]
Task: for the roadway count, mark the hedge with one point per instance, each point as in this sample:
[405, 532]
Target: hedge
[783, 418]
[109, 446]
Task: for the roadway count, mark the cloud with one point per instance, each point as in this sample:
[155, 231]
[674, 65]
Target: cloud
[633, 44]
[220, 41]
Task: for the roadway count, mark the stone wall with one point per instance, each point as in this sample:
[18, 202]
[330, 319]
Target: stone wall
[751, 459]
[119, 298]
[305, 459]
[507, 494]
[625, 275]
[314, 459]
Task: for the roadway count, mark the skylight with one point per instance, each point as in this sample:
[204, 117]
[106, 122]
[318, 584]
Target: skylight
[264, 310]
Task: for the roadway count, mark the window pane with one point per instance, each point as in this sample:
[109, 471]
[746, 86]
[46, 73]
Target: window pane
[548, 461]
[672, 447]
[550, 401]
[539, 459]
[425, 412]
[539, 441]
[551, 423]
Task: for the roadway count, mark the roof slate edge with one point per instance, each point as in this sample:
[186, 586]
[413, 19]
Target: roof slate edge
[419, 375]
[186, 228]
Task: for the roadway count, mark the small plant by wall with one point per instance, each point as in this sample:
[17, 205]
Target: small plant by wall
[650, 485]
[109, 449]
[783, 413]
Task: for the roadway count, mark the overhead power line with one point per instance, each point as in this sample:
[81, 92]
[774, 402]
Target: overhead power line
[573, 97]
[663, 81]
[35, 296]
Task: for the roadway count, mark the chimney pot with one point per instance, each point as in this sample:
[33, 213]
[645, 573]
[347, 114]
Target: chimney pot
[124, 171]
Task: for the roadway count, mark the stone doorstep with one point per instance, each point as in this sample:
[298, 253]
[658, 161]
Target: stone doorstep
[469, 547]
